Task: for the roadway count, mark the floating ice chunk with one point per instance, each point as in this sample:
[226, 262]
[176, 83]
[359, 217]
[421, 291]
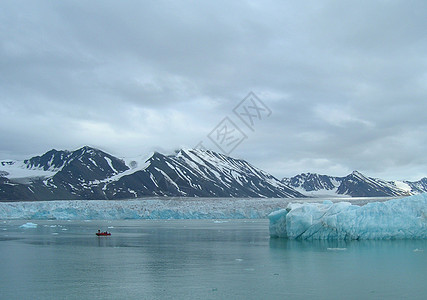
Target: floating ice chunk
[404, 218]
[29, 225]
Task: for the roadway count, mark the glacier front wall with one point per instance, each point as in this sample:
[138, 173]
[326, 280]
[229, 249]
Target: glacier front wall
[404, 218]
[177, 208]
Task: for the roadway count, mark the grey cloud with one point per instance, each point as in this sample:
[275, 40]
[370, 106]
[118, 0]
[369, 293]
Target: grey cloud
[346, 80]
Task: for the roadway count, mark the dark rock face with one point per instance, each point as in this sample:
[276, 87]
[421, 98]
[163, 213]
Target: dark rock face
[419, 186]
[313, 182]
[354, 184]
[358, 185]
[51, 160]
[89, 173]
[13, 191]
[199, 173]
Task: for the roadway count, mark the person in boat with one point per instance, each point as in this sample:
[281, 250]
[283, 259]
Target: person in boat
[99, 230]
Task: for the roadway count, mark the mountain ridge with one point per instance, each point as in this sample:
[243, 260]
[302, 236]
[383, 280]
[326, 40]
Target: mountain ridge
[90, 173]
[354, 184]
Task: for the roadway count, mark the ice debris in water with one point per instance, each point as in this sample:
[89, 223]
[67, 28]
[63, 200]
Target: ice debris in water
[404, 218]
[29, 225]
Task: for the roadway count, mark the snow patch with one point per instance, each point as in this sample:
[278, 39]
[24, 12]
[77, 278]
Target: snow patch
[18, 170]
[402, 185]
[110, 163]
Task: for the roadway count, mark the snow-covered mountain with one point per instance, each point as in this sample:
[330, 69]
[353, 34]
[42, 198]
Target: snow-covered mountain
[58, 175]
[415, 187]
[359, 185]
[53, 161]
[355, 185]
[313, 184]
[200, 173]
[89, 173]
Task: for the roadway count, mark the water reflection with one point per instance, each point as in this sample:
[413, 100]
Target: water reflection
[348, 245]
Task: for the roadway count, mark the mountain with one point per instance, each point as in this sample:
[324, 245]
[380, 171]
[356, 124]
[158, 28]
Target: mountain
[359, 185]
[59, 175]
[312, 182]
[200, 173]
[80, 173]
[416, 187]
[52, 160]
[355, 185]
[89, 173]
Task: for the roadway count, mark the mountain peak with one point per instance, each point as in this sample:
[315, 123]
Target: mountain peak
[88, 149]
[90, 173]
[199, 173]
[356, 173]
[52, 160]
[355, 184]
[311, 182]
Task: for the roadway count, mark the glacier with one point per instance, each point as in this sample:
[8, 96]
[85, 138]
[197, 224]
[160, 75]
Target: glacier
[163, 208]
[404, 218]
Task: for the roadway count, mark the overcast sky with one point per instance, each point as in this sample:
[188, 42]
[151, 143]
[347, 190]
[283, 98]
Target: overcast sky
[345, 82]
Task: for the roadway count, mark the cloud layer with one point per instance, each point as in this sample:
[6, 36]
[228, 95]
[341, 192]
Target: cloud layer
[346, 81]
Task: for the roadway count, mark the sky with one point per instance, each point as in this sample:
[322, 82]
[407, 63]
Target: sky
[290, 86]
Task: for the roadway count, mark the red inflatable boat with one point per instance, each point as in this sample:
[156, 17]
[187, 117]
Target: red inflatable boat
[103, 233]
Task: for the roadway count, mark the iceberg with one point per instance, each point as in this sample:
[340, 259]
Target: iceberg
[404, 218]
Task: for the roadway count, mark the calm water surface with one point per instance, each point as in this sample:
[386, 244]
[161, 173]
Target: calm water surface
[200, 259]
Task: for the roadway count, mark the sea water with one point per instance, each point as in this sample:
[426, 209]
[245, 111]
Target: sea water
[200, 259]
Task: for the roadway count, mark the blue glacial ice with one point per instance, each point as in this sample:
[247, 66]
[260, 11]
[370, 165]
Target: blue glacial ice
[173, 208]
[29, 225]
[404, 218]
